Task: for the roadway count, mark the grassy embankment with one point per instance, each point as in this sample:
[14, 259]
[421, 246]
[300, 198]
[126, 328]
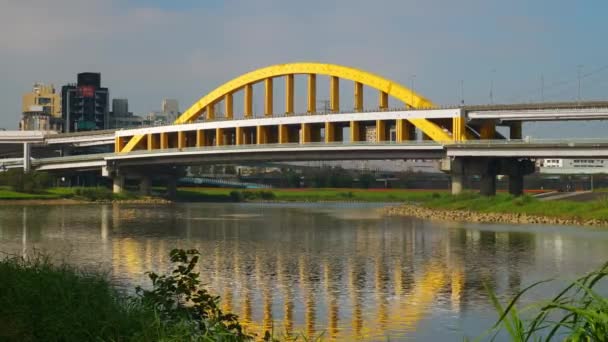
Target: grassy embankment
[501, 203]
[43, 302]
[76, 193]
[305, 195]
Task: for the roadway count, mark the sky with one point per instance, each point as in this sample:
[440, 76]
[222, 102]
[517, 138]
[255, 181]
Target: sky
[448, 51]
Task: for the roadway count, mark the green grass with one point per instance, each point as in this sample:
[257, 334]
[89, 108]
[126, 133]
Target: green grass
[311, 195]
[79, 193]
[43, 302]
[504, 203]
[501, 203]
[577, 313]
[13, 195]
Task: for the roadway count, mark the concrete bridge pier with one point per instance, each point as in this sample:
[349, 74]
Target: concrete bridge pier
[27, 157]
[457, 175]
[487, 184]
[516, 184]
[144, 185]
[118, 183]
[172, 187]
[488, 169]
[516, 170]
[457, 180]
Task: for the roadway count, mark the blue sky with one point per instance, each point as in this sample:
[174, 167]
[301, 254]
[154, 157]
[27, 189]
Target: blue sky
[147, 50]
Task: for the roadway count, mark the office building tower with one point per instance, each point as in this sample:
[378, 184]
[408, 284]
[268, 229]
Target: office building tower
[41, 109]
[85, 105]
[170, 109]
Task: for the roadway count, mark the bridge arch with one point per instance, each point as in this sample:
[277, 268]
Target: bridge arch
[382, 84]
[385, 87]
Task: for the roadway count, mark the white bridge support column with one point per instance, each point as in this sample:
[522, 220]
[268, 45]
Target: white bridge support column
[457, 180]
[27, 160]
[118, 183]
[457, 175]
[455, 167]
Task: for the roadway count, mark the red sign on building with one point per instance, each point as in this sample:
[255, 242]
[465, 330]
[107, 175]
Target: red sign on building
[87, 91]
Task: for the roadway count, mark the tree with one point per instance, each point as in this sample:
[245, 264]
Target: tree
[366, 180]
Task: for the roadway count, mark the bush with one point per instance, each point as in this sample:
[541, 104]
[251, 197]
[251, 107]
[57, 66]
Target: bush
[43, 302]
[347, 194]
[260, 194]
[267, 195]
[236, 196]
[28, 182]
[366, 180]
[179, 296]
[94, 194]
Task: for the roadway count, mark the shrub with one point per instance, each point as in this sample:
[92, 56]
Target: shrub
[366, 180]
[267, 195]
[179, 296]
[28, 182]
[347, 194]
[522, 200]
[94, 194]
[260, 194]
[236, 196]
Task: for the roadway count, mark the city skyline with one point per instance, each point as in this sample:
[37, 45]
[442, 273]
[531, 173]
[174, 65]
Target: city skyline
[471, 49]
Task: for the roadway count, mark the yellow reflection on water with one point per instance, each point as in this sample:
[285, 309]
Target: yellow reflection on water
[359, 296]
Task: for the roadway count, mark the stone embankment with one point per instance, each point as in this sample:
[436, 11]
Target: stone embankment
[144, 200]
[472, 216]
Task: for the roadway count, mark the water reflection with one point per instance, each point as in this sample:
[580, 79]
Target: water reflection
[312, 269]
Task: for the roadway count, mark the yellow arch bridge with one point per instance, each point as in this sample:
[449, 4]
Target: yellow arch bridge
[440, 127]
[199, 127]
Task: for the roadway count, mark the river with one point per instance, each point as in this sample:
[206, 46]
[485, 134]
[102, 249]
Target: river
[340, 270]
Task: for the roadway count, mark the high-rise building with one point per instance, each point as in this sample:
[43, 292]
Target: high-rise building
[41, 109]
[120, 117]
[170, 108]
[120, 107]
[42, 95]
[85, 105]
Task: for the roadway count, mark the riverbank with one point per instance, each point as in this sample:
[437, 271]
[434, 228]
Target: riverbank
[76, 195]
[193, 194]
[40, 301]
[503, 208]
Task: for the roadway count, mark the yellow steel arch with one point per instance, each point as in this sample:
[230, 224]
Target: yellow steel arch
[393, 89]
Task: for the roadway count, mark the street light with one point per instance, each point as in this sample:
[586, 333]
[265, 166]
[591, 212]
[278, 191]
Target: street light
[462, 92]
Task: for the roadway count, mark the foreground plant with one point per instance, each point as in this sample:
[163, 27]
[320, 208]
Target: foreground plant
[577, 313]
[179, 297]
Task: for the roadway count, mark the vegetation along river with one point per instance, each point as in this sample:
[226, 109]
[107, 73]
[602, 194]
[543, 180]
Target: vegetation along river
[341, 270]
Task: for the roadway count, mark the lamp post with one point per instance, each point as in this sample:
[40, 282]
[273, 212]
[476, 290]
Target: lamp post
[462, 92]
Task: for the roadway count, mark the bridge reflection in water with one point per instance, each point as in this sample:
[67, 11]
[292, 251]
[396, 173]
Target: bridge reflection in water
[298, 285]
[344, 272]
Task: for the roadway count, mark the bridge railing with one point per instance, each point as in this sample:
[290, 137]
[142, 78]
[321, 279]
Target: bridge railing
[531, 141]
[289, 146]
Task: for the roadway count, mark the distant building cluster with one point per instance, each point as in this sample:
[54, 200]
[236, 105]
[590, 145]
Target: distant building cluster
[566, 166]
[85, 106]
